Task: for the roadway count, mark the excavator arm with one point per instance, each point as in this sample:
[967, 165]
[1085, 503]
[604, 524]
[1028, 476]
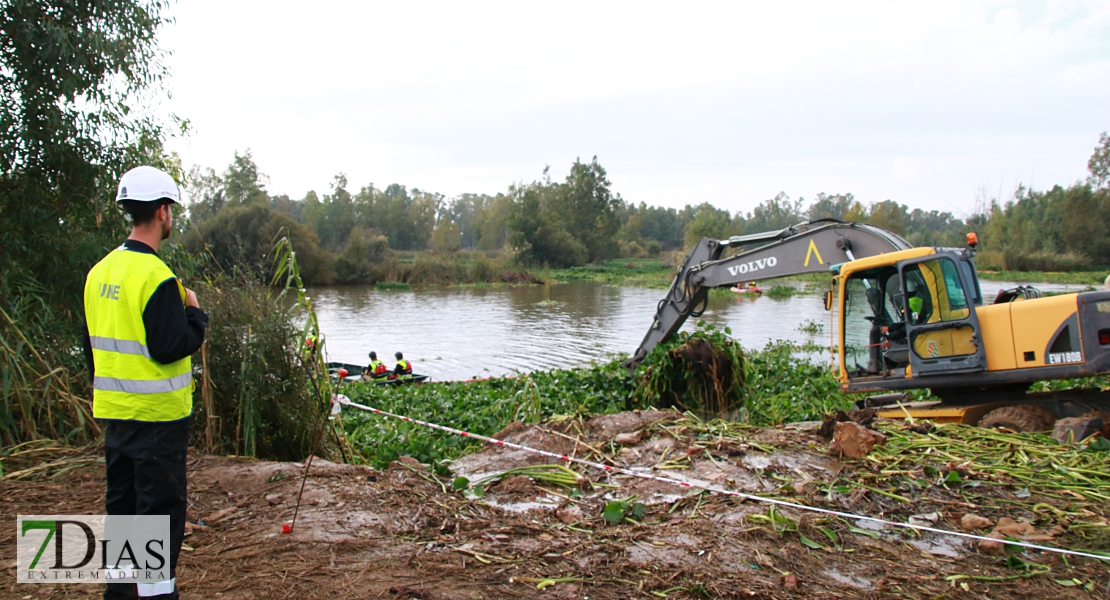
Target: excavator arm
[804, 248]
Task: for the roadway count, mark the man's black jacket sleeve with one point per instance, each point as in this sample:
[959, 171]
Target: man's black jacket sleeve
[173, 331]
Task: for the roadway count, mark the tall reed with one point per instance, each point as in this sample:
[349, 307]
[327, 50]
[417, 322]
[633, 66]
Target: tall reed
[46, 394]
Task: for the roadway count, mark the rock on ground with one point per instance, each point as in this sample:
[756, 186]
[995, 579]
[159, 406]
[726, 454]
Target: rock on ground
[853, 440]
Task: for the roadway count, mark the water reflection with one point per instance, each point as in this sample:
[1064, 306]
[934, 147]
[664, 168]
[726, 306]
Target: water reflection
[464, 332]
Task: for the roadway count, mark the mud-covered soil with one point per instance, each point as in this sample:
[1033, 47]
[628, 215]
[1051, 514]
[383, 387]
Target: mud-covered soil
[404, 533]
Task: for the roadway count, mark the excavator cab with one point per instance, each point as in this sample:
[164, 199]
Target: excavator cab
[909, 314]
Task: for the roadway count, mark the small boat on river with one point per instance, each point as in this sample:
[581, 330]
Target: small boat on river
[354, 375]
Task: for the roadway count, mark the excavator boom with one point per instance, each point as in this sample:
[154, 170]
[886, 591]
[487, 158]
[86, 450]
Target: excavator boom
[804, 248]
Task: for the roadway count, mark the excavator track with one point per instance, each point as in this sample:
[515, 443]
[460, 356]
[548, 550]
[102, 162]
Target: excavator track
[1020, 418]
[1007, 408]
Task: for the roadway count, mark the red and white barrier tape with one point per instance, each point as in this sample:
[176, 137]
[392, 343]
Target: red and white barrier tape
[711, 488]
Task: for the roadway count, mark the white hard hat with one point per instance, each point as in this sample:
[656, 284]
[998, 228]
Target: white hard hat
[147, 184]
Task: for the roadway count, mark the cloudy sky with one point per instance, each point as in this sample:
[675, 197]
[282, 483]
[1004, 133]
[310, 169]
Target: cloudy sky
[931, 104]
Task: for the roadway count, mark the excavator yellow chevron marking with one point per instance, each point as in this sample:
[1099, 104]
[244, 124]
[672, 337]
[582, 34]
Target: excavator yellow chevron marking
[813, 250]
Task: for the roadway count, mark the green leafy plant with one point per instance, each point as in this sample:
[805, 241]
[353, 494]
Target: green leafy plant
[701, 372]
[483, 407]
[785, 383]
[811, 327]
[616, 511]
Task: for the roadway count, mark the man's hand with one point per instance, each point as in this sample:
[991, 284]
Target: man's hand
[191, 298]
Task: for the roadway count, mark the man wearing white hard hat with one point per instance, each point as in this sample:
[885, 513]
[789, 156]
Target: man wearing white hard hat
[143, 326]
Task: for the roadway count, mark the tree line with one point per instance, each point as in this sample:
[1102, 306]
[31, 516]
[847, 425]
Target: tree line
[351, 235]
[347, 235]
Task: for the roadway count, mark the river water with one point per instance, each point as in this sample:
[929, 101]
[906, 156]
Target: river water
[466, 332]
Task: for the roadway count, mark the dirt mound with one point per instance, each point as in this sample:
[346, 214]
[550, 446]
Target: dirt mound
[403, 532]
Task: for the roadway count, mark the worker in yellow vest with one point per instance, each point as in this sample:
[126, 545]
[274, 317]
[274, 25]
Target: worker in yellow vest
[376, 370]
[142, 327]
[403, 370]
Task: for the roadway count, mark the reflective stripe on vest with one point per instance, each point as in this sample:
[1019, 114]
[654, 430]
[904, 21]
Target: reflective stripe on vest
[121, 346]
[129, 384]
[142, 386]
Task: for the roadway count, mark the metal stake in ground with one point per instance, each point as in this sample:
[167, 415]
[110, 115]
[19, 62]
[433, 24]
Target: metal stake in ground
[307, 466]
[308, 462]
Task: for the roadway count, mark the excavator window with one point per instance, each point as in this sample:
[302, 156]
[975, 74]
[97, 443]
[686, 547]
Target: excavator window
[859, 317]
[935, 295]
[873, 308]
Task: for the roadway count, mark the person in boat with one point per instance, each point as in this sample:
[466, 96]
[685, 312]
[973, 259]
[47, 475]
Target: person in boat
[403, 370]
[376, 370]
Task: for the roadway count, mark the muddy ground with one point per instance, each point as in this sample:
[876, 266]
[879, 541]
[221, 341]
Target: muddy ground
[404, 533]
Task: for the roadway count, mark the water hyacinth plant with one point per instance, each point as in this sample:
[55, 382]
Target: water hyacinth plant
[701, 372]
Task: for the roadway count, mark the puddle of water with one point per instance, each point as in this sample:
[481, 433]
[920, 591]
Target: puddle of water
[941, 546]
[789, 461]
[871, 525]
[524, 506]
[849, 580]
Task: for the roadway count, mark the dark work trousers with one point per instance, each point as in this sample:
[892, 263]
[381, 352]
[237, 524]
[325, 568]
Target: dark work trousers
[146, 476]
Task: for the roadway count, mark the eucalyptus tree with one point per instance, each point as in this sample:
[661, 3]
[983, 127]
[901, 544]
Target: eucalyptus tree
[73, 76]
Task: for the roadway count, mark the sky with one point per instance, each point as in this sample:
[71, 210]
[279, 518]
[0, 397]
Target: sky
[936, 105]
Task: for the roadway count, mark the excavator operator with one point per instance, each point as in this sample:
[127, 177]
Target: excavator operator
[917, 297]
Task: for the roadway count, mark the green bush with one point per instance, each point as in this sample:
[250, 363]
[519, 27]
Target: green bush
[266, 396]
[244, 236]
[259, 392]
[366, 258]
[633, 250]
[781, 292]
[1043, 260]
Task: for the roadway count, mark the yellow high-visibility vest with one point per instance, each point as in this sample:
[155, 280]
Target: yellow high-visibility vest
[128, 384]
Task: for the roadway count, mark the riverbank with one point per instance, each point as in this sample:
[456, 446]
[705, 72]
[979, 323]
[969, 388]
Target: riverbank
[473, 267]
[1095, 279]
[406, 531]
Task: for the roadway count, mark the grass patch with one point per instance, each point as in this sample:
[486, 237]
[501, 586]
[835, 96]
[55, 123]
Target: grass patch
[1091, 278]
[781, 292]
[392, 286]
[639, 272]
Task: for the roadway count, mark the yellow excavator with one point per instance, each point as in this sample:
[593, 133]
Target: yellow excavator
[905, 318]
